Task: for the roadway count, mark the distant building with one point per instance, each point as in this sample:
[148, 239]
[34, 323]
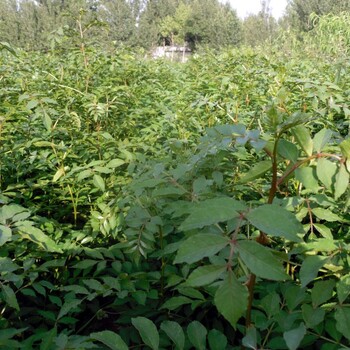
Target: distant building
[174, 53]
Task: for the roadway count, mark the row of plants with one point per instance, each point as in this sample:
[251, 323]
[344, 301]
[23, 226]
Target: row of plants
[148, 204]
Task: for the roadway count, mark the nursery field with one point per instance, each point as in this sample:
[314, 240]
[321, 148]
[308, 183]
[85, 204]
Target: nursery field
[154, 205]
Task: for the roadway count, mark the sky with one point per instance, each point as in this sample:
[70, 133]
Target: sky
[246, 7]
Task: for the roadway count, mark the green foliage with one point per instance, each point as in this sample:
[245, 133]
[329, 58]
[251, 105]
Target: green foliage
[149, 204]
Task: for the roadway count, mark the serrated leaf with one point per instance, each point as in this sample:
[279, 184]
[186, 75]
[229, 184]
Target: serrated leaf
[321, 139]
[341, 181]
[310, 267]
[342, 316]
[175, 302]
[110, 339]
[277, 221]
[231, 299]
[174, 331]
[303, 138]
[326, 171]
[99, 182]
[204, 275]
[200, 246]
[197, 335]
[148, 331]
[288, 150]
[261, 261]
[211, 211]
[294, 337]
[257, 171]
[343, 288]
[10, 297]
[217, 340]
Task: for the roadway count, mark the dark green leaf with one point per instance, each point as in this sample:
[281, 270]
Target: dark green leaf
[343, 288]
[311, 316]
[257, 171]
[110, 339]
[288, 150]
[175, 302]
[217, 340]
[148, 331]
[310, 267]
[321, 292]
[174, 331]
[204, 275]
[197, 334]
[294, 337]
[342, 316]
[10, 297]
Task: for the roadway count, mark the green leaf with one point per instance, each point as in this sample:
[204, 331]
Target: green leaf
[310, 267]
[217, 340]
[200, 246]
[85, 264]
[294, 337]
[321, 292]
[342, 316]
[10, 297]
[5, 234]
[341, 181]
[115, 163]
[311, 316]
[99, 182]
[326, 214]
[211, 211]
[59, 173]
[326, 171]
[307, 176]
[204, 275]
[261, 261]
[197, 335]
[175, 302]
[257, 171]
[250, 339]
[271, 303]
[148, 331]
[324, 231]
[343, 288]
[321, 139]
[277, 221]
[345, 148]
[303, 138]
[68, 306]
[47, 122]
[48, 341]
[288, 150]
[174, 331]
[110, 339]
[32, 104]
[231, 299]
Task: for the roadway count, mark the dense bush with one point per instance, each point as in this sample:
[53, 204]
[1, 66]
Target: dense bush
[154, 205]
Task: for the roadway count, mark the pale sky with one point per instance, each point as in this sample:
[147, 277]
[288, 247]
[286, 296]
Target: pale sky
[246, 7]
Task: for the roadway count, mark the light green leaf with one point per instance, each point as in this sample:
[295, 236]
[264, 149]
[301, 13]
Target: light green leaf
[5, 234]
[326, 214]
[148, 331]
[231, 299]
[341, 181]
[303, 138]
[32, 104]
[217, 340]
[174, 331]
[310, 267]
[110, 339]
[175, 302]
[326, 171]
[115, 163]
[10, 297]
[59, 173]
[342, 316]
[307, 176]
[99, 182]
[257, 171]
[288, 150]
[321, 139]
[321, 292]
[261, 261]
[47, 122]
[345, 148]
[324, 231]
[204, 275]
[294, 337]
[197, 335]
[211, 211]
[200, 246]
[343, 288]
[277, 221]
